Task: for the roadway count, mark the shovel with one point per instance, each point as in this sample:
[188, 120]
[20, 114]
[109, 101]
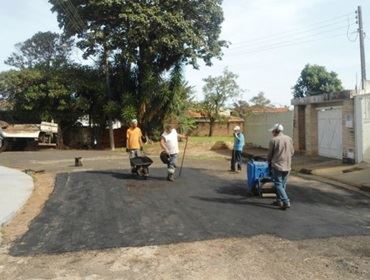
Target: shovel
[183, 157]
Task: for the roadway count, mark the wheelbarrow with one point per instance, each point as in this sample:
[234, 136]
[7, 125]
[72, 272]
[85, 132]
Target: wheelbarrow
[141, 165]
[259, 178]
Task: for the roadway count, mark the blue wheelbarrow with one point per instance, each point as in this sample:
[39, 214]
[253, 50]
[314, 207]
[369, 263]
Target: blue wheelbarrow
[259, 180]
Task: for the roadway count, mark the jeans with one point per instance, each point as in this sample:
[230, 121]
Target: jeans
[280, 179]
[236, 159]
[171, 166]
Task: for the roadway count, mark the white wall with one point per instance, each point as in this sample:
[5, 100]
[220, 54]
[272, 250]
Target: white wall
[362, 126]
[257, 126]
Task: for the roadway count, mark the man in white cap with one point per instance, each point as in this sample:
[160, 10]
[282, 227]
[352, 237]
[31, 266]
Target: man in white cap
[280, 157]
[170, 144]
[134, 141]
[236, 156]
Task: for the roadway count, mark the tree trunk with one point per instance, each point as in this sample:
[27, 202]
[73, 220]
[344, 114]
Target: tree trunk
[211, 126]
[109, 94]
[60, 142]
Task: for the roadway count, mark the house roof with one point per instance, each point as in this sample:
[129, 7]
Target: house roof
[260, 109]
[194, 114]
[201, 118]
[339, 96]
[235, 119]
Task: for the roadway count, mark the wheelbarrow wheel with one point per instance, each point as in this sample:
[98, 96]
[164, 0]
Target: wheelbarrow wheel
[256, 188]
[144, 172]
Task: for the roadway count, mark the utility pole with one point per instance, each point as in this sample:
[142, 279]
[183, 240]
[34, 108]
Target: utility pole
[362, 47]
[109, 94]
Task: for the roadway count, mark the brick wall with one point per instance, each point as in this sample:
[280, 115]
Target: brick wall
[119, 138]
[348, 131]
[311, 130]
[220, 129]
[299, 124]
[296, 129]
[81, 137]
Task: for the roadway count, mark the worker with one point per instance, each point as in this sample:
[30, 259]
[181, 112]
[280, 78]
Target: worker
[236, 156]
[279, 158]
[134, 142]
[170, 144]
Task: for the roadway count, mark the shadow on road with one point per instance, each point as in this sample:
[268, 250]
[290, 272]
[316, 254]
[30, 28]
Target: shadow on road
[108, 209]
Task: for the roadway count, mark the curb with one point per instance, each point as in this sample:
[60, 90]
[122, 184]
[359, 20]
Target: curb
[24, 185]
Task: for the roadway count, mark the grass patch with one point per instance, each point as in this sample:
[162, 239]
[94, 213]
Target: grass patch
[208, 140]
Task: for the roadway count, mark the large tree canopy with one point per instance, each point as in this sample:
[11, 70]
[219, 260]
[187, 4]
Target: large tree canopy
[143, 41]
[44, 49]
[160, 32]
[315, 80]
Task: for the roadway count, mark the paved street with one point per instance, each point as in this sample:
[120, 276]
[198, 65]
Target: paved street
[108, 209]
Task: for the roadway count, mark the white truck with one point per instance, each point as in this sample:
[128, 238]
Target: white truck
[43, 134]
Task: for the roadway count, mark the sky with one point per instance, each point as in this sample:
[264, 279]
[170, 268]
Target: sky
[271, 41]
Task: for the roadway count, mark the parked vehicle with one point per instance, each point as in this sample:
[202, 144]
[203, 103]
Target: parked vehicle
[43, 134]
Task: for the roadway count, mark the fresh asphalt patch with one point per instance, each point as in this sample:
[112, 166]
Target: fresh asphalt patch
[109, 209]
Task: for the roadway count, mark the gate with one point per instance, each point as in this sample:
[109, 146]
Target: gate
[330, 133]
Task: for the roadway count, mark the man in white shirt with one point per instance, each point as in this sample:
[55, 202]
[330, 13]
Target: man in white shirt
[170, 144]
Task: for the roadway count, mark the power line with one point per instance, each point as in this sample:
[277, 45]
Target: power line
[288, 44]
[292, 36]
[70, 20]
[74, 11]
[73, 17]
[283, 42]
[310, 28]
[349, 39]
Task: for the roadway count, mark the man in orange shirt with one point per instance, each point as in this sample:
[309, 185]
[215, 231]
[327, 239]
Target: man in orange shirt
[134, 142]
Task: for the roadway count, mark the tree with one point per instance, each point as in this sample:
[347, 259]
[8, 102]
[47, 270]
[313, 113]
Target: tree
[315, 80]
[180, 101]
[50, 87]
[217, 91]
[144, 40]
[260, 100]
[241, 108]
[37, 97]
[45, 87]
[43, 50]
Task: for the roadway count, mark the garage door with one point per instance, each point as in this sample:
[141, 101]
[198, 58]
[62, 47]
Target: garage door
[330, 133]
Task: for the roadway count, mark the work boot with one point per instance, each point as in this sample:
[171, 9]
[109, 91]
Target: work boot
[284, 205]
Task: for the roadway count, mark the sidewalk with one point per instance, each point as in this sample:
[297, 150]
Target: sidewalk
[15, 189]
[357, 175]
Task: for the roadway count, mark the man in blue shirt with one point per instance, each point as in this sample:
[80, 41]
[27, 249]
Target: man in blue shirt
[236, 157]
